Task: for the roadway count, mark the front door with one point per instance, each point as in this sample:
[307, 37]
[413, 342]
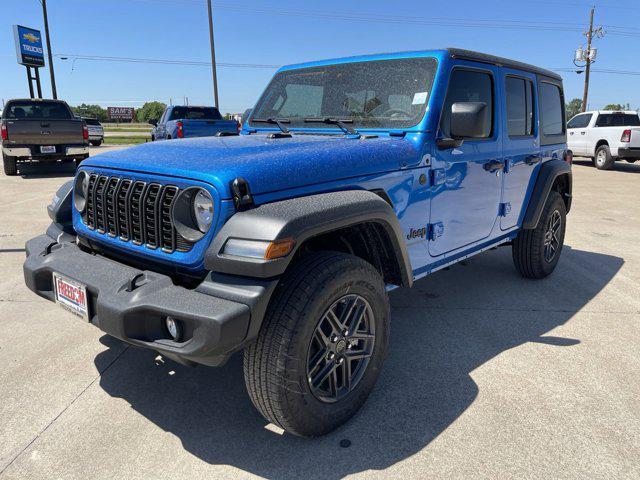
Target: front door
[520, 145]
[467, 180]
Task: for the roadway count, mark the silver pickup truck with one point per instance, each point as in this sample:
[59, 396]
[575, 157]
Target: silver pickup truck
[43, 131]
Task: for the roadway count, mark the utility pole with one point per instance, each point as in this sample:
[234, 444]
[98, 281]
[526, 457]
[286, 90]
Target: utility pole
[587, 70]
[46, 32]
[213, 57]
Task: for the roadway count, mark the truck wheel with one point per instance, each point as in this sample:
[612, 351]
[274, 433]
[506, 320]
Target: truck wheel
[536, 252]
[96, 143]
[10, 165]
[631, 160]
[603, 160]
[321, 346]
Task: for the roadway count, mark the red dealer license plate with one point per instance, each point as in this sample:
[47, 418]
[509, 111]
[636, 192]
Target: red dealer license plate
[71, 295]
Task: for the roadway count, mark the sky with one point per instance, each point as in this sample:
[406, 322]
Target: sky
[253, 37]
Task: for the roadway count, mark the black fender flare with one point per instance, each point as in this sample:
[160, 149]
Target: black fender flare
[549, 172]
[60, 208]
[303, 218]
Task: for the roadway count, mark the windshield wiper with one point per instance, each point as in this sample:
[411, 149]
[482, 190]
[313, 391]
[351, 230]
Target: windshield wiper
[342, 123]
[274, 121]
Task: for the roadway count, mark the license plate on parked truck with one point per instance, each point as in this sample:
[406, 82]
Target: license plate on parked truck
[48, 149]
[71, 295]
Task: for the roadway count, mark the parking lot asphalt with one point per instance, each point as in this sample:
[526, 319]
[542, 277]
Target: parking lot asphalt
[489, 375]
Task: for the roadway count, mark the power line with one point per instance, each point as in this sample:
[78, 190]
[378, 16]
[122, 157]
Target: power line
[161, 61]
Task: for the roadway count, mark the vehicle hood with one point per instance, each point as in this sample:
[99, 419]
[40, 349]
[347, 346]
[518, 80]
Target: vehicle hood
[267, 164]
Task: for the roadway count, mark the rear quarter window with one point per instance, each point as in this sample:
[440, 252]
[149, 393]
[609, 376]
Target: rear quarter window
[551, 111]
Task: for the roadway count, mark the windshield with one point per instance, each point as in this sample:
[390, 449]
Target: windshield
[91, 121]
[385, 94]
[195, 113]
[27, 109]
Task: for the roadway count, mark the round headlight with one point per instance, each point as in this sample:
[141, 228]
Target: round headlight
[203, 210]
[80, 189]
[193, 213]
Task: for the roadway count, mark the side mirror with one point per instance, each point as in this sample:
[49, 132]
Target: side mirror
[469, 120]
[153, 122]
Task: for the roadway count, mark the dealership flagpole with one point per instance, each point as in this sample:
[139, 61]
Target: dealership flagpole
[46, 32]
[213, 57]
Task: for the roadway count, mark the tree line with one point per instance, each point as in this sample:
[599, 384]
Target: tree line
[574, 107]
[150, 111]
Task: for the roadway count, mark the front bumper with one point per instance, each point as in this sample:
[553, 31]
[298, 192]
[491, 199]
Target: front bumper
[626, 152]
[132, 304]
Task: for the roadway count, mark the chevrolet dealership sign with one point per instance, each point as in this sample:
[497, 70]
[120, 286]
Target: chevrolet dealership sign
[28, 46]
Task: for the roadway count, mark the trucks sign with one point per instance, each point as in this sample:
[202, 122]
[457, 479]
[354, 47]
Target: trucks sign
[120, 113]
[28, 46]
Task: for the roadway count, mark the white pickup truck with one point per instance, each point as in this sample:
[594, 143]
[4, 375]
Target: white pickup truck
[605, 136]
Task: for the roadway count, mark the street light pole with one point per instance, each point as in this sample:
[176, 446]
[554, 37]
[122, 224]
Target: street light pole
[587, 70]
[213, 57]
[46, 32]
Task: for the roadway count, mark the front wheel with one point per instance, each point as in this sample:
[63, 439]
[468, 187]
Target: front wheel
[321, 346]
[10, 165]
[536, 252]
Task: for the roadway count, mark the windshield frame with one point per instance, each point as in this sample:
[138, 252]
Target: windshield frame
[301, 126]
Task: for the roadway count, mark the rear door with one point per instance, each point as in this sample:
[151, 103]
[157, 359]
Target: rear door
[577, 134]
[520, 145]
[467, 180]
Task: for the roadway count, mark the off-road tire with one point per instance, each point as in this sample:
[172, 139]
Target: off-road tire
[603, 159]
[10, 165]
[275, 365]
[528, 247]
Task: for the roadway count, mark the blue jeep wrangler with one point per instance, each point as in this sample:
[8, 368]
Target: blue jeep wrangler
[350, 178]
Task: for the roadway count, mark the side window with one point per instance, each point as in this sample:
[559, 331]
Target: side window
[163, 117]
[519, 106]
[468, 86]
[551, 118]
[580, 121]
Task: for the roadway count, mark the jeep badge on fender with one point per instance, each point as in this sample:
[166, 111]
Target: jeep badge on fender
[284, 239]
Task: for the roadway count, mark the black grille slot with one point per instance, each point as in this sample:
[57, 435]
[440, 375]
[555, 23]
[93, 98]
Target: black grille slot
[110, 206]
[167, 231]
[98, 202]
[122, 210]
[134, 211]
[151, 217]
[91, 211]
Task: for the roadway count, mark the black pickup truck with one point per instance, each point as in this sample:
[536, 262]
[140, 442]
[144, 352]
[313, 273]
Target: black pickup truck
[41, 130]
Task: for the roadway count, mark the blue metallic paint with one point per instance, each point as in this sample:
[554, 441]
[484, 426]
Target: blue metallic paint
[317, 162]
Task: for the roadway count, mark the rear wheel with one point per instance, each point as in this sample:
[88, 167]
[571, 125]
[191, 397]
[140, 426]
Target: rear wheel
[603, 160]
[10, 165]
[536, 252]
[321, 346]
[96, 143]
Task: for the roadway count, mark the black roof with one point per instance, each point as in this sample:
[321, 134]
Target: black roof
[492, 59]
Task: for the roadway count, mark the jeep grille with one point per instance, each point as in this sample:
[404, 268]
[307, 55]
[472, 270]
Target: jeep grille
[133, 211]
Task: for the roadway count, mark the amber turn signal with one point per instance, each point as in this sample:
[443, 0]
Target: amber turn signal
[279, 248]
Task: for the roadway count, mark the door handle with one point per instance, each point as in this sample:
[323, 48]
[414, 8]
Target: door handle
[583, 133]
[532, 160]
[571, 133]
[493, 165]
